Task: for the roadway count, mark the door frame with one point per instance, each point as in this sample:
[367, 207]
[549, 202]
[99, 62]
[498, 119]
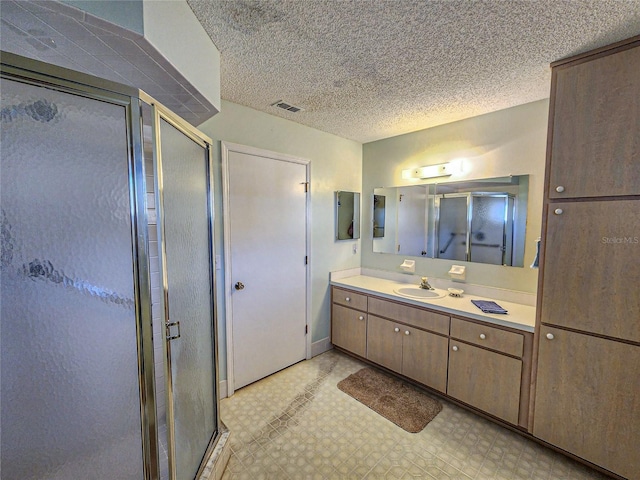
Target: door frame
[226, 148]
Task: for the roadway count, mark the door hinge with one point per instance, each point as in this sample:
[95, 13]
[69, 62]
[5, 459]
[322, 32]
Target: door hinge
[306, 260]
[306, 329]
[306, 186]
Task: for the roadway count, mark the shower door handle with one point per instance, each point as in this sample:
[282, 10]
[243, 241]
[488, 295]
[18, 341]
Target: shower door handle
[168, 326]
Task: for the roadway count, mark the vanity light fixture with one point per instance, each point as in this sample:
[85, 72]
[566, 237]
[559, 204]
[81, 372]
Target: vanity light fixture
[428, 171]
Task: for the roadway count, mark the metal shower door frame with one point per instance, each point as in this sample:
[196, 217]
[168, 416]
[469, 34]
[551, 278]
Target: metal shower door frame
[40, 74]
[160, 112]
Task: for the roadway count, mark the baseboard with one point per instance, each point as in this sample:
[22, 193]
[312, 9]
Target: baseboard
[321, 346]
[222, 389]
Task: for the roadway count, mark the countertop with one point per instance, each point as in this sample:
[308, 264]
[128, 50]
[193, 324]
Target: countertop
[521, 317]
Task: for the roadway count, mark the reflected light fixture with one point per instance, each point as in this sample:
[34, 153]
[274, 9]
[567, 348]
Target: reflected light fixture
[428, 171]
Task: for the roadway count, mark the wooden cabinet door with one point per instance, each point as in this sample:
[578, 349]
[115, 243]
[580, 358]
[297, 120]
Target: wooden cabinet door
[592, 267]
[595, 147]
[486, 380]
[384, 343]
[349, 329]
[588, 399]
[424, 357]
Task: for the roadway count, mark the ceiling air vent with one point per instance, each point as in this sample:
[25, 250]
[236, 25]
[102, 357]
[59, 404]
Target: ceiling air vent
[286, 106]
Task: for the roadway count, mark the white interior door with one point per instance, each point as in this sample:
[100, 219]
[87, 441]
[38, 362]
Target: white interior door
[266, 271]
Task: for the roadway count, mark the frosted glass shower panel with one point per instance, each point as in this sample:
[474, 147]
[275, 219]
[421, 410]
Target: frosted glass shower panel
[185, 204]
[70, 393]
[488, 229]
[452, 228]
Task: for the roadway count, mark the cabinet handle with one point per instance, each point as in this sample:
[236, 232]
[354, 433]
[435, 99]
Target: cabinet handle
[396, 329]
[361, 317]
[550, 336]
[482, 336]
[559, 189]
[347, 299]
[407, 332]
[454, 348]
[558, 211]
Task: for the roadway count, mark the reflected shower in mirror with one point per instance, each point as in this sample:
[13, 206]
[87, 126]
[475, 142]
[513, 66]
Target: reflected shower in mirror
[347, 215]
[481, 221]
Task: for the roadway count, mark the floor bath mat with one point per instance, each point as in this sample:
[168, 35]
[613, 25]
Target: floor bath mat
[397, 401]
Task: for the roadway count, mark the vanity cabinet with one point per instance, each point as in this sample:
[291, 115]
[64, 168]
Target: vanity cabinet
[490, 380]
[412, 352]
[594, 122]
[587, 378]
[349, 325]
[484, 366]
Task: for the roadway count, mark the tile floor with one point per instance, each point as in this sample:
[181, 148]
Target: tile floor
[296, 424]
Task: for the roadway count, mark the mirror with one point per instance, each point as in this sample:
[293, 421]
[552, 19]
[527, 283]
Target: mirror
[347, 215]
[481, 221]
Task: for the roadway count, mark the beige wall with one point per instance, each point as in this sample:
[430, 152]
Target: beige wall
[336, 164]
[506, 142]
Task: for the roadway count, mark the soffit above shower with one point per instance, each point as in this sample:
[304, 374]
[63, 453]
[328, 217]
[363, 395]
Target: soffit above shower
[62, 35]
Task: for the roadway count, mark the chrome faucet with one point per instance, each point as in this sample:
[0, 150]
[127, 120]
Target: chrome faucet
[425, 284]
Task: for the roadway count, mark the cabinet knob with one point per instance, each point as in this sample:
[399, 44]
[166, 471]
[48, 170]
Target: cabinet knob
[559, 189]
[361, 317]
[454, 348]
[550, 336]
[558, 211]
[483, 336]
[347, 299]
[407, 332]
[396, 329]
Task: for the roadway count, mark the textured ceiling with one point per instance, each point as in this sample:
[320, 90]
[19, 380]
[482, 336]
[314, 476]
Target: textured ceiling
[371, 69]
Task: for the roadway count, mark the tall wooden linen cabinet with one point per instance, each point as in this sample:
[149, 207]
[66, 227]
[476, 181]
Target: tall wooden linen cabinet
[587, 387]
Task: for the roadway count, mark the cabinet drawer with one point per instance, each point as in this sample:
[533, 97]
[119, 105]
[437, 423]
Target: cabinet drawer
[485, 336]
[416, 317]
[350, 299]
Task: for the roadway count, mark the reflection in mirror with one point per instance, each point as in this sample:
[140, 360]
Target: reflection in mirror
[480, 221]
[378, 216]
[347, 215]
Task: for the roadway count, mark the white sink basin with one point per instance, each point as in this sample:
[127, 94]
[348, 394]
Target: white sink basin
[417, 292]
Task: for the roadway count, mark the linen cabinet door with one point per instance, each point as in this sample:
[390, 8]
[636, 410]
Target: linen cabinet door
[595, 149]
[349, 329]
[384, 343]
[591, 258]
[486, 380]
[587, 398]
[424, 358]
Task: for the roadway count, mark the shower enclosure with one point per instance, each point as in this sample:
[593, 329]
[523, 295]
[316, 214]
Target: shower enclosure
[475, 227]
[107, 350]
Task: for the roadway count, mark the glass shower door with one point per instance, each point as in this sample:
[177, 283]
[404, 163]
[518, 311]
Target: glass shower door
[453, 227]
[488, 228]
[70, 394]
[185, 223]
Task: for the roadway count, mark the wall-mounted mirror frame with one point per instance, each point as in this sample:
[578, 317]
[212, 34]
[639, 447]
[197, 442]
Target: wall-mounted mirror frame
[347, 206]
[489, 226]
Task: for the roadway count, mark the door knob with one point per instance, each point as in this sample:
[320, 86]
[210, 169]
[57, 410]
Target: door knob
[239, 285]
[550, 336]
[559, 189]
[396, 329]
[558, 211]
